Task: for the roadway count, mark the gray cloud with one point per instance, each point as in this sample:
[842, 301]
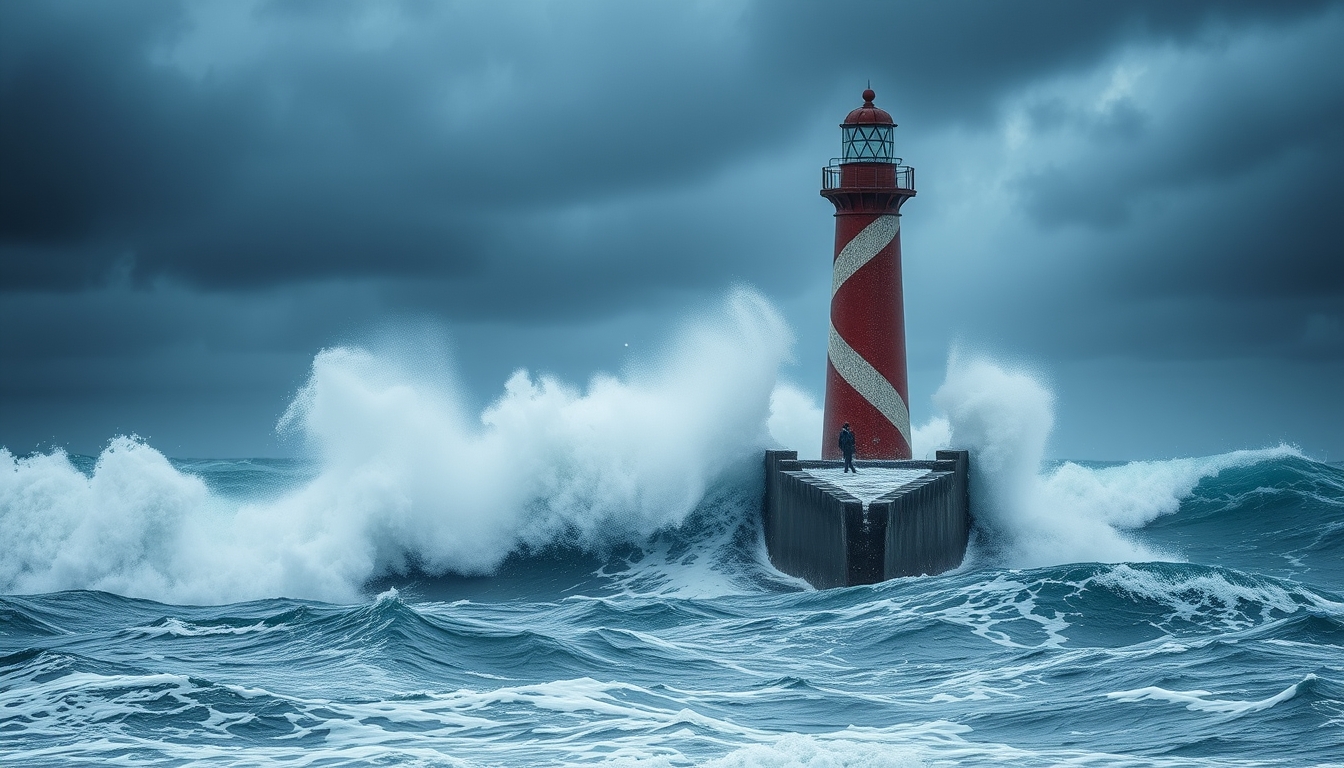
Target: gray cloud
[314, 148]
[201, 182]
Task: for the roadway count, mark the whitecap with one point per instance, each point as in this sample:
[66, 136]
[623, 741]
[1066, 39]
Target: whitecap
[1200, 701]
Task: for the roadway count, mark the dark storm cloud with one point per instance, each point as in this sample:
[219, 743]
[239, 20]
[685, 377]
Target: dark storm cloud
[317, 159]
[197, 196]
[1253, 151]
[952, 61]
[98, 144]
[305, 148]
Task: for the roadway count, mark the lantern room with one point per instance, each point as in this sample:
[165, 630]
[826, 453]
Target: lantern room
[869, 134]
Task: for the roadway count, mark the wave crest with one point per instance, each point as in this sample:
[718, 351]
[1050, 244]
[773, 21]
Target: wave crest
[409, 477]
[1027, 516]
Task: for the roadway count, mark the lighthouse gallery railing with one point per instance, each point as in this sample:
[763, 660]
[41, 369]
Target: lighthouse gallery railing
[851, 175]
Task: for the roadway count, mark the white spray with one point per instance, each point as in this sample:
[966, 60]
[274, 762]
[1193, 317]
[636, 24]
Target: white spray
[408, 474]
[1028, 517]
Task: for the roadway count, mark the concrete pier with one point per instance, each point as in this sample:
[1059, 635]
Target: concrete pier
[895, 518]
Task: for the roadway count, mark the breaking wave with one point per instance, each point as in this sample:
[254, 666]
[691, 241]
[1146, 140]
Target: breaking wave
[1028, 515]
[663, 458]
[410, 478]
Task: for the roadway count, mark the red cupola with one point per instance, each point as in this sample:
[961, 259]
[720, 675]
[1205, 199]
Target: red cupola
[868, 114]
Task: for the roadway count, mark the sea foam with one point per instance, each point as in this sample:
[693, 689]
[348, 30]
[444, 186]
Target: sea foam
[1029, 516]
[410, 478]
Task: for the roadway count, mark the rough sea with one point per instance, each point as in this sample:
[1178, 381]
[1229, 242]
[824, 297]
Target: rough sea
[437, 587]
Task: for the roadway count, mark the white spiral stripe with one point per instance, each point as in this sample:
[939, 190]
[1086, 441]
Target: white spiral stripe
[861, 250]
[869, 383]
[857, 372]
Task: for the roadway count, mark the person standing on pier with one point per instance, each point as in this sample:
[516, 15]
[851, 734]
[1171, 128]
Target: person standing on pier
[847, 447]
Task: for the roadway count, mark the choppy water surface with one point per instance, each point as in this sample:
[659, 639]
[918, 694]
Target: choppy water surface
[576, 576]
[689, 650]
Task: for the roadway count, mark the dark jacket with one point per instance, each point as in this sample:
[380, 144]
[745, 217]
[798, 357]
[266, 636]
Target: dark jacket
[846, 441]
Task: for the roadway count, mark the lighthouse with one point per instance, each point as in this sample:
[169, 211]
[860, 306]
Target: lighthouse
[899, 516]
[866, 382]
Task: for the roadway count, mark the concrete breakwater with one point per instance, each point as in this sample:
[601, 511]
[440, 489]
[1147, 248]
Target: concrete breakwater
[894, 518]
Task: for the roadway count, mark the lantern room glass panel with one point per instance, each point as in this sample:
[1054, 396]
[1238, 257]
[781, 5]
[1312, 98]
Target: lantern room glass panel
[869, 143]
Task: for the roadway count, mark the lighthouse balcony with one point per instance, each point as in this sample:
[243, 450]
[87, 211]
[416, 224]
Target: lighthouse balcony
[859, 175]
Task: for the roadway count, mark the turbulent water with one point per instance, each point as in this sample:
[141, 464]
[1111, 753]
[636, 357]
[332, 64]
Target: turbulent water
[609, 600]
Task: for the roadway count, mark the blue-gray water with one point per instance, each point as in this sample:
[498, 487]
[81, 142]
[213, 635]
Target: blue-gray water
[688, 650]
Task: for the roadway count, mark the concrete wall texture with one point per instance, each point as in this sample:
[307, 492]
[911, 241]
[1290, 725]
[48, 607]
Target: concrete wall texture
[821, 533]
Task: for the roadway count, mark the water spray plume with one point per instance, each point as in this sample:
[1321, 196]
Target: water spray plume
[408, 476]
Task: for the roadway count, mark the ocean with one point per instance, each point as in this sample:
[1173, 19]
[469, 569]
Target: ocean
[543, 583]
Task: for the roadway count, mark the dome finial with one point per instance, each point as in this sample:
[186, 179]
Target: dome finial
[868, 97]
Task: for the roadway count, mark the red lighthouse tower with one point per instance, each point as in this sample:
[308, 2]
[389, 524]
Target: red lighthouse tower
[865, 368]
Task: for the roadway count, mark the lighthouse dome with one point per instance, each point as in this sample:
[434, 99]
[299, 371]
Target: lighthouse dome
[869, 114]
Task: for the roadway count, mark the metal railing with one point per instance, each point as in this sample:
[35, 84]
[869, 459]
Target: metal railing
[853, 175]
[848, 160]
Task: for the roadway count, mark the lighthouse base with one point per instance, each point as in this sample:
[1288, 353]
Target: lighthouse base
[892, 518]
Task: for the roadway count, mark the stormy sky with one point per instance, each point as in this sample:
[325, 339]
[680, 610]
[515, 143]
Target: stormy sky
[1139, 201]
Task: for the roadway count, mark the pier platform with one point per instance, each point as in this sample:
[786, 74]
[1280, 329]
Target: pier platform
[890, 519]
